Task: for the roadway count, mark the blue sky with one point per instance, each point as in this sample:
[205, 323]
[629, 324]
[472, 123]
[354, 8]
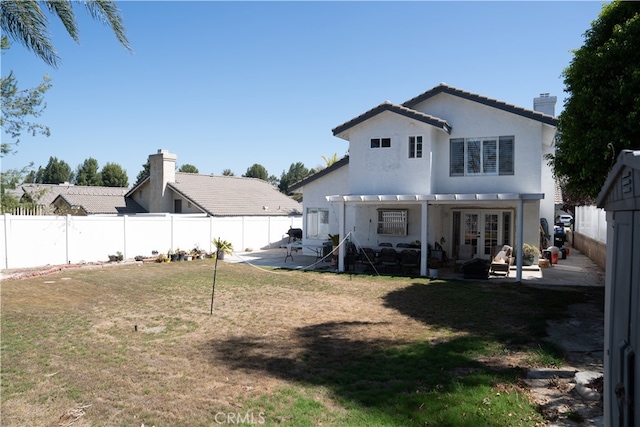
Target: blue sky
[225, 85]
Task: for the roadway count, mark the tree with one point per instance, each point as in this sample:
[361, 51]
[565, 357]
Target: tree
[601, 114]
[330, 160]
[114, 176]
[145, 172]
[297, 171]
[227, 172]
[257, 171]
[18, 105]
[187, 168]
[56, 172]
[87, 173]
[9, 179]
[25, 22]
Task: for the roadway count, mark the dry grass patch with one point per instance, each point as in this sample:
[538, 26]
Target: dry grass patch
[285, 347]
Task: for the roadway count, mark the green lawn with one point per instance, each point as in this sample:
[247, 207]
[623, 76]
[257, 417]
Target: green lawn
[281, 348]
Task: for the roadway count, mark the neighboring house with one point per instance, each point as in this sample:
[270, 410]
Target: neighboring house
[166, 190]
[65, 198]
[448, 167]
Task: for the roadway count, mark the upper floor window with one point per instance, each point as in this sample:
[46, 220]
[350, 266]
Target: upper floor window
[415, 147]
[481, 156]
[380, 142]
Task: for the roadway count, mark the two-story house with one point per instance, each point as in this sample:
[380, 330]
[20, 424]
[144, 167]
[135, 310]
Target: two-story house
[447, 167]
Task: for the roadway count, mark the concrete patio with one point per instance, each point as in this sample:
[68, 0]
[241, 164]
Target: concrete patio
[575, 270]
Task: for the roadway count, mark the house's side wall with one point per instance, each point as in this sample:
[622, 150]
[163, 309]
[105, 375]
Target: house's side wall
[142, 196]
[315, 197]
[389, 170]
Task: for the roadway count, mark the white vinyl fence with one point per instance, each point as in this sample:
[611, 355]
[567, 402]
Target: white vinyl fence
[32, 241]
[591, 221]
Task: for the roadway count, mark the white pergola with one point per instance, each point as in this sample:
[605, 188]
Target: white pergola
[519, 199]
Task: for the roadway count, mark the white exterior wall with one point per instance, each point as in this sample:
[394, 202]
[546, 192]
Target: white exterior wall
[389, 170]
[470, 119]
[315, 197]
[32, 241]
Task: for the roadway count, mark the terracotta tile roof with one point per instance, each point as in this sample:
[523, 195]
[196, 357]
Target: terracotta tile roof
[398, 109]
[444, 88]
[234, 196]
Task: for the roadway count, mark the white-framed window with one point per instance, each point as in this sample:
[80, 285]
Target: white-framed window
[392, 222]
[415, 147]
[380, 142]
[481, 156]
[317, 223]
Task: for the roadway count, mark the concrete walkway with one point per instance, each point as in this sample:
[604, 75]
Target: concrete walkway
[575, 270]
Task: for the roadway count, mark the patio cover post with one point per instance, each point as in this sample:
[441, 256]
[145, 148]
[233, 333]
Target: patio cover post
[424, 240]
[519, 239]
[341, 247]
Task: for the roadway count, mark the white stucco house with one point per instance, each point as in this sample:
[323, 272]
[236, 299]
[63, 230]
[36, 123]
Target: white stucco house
[447, 166]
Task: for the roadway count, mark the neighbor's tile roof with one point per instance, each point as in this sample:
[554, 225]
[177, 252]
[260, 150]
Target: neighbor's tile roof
[233, 196]
[398, 109]
[444, 88]
[94, 204]
[85, 196]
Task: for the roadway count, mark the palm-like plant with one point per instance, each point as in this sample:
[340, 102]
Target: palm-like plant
[25, 22]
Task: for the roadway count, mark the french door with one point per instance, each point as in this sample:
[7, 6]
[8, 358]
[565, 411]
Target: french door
[484, 231]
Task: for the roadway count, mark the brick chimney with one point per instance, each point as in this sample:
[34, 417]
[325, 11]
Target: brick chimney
[162, 169]
[545, 104]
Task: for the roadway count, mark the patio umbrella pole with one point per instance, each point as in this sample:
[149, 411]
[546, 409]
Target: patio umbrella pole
[213, 289]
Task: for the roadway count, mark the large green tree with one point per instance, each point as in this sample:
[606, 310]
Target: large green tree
[56, 172]
[602, 111]
[297, 171]
[114, 176]
[187, 168]
[24, 21]
[145, 172]
[87, 173]
[257, 171]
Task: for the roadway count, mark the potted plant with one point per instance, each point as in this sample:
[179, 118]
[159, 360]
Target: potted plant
[529, 252]
[222, 247]
[335, 241]
[434, 264]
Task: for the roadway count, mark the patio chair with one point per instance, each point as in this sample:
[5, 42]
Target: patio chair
[367, 258]
[409, 260]
[351, 257]
[502, 260]
[465, 253]
[388, 258]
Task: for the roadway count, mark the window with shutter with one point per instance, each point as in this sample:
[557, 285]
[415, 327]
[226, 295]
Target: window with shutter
[481, 156]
